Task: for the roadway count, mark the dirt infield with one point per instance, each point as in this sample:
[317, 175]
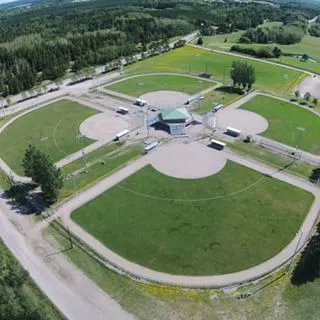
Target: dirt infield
[187, 160]
[310, 84]
[165, 99]
[246, 121]
[103, 126]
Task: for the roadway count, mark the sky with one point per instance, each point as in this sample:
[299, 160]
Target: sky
[6, 1]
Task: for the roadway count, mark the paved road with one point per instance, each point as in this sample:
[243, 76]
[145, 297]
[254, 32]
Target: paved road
[72, 293]
[205, 281]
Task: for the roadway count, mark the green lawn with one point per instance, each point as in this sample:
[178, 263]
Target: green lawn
[100, 163]
[221, 235]
[284, 118]
[138, 86]
[215, 97]
[196, 60]
[53, 128]
[309, 45]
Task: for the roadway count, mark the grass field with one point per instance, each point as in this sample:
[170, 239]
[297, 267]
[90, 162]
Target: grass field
[174, 236]
[309, 45]
[138, 86]
[196, 60]
[100, 163]
[53, 129]
[215, 97]
[284, 118]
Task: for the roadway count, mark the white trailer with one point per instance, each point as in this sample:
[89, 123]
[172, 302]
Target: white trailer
[217, 144]
[122, 110]
[218, 107]
[151, 146]
[122, 134]
[233, 132]
[140, 102]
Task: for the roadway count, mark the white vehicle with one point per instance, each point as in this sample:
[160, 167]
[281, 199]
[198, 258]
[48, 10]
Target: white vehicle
[151, 146]
[218, 107]
[217, 144]
[122, 110]
[233, 132]
[122, 134]
[140, 102]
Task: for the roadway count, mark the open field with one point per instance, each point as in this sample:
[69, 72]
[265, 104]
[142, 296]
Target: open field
[196, 60]
[161, 227]
[138, 86]
[309, 45]
[53, 128]
[100, 163]
[217, 96]
[284, 118]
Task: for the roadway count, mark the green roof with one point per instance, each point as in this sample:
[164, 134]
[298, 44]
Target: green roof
[174, 114]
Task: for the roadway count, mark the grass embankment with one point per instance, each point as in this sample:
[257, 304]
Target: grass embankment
[20, 297]
[196, 60]
[284, 118]
[226, 233]
[138, 86]
[100, 163]
[53, 129]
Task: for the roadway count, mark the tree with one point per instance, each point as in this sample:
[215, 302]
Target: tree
[200, 41]
[43, 172]
[277, 52]
[297, 94]
[243, 74]
[315, 101]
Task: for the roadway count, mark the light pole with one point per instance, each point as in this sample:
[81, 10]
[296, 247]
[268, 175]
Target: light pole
[300, 131]
[79, 137]
[300, 234]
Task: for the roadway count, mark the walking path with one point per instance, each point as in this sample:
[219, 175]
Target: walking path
[187, 281]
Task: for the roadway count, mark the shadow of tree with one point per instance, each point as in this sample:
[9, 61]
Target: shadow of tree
[308, 267]
[25, 199]
[230, 89]
[315, 175]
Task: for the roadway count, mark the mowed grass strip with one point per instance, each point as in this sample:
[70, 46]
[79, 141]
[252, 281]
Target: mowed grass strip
[195, 60]
[53, 129]
[138, 86]
[225, 234]
[284, 118]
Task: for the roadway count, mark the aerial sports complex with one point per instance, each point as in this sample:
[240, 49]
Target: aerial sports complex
[176, 178]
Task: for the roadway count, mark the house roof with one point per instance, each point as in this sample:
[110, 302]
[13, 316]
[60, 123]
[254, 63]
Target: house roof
[174, 114]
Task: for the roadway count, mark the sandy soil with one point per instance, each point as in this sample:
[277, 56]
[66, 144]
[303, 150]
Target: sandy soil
[187, 160]
[310, 84]
[165, 99]
[246, 121]
[103, 126]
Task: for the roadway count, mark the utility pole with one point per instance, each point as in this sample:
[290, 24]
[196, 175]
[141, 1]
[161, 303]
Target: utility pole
[300, 234]
[299, 136]
[80, 136]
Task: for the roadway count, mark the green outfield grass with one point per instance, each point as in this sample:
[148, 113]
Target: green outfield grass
[138, 86]
[138, 220]
[196, 60]
[284, 118]
[53, 128]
